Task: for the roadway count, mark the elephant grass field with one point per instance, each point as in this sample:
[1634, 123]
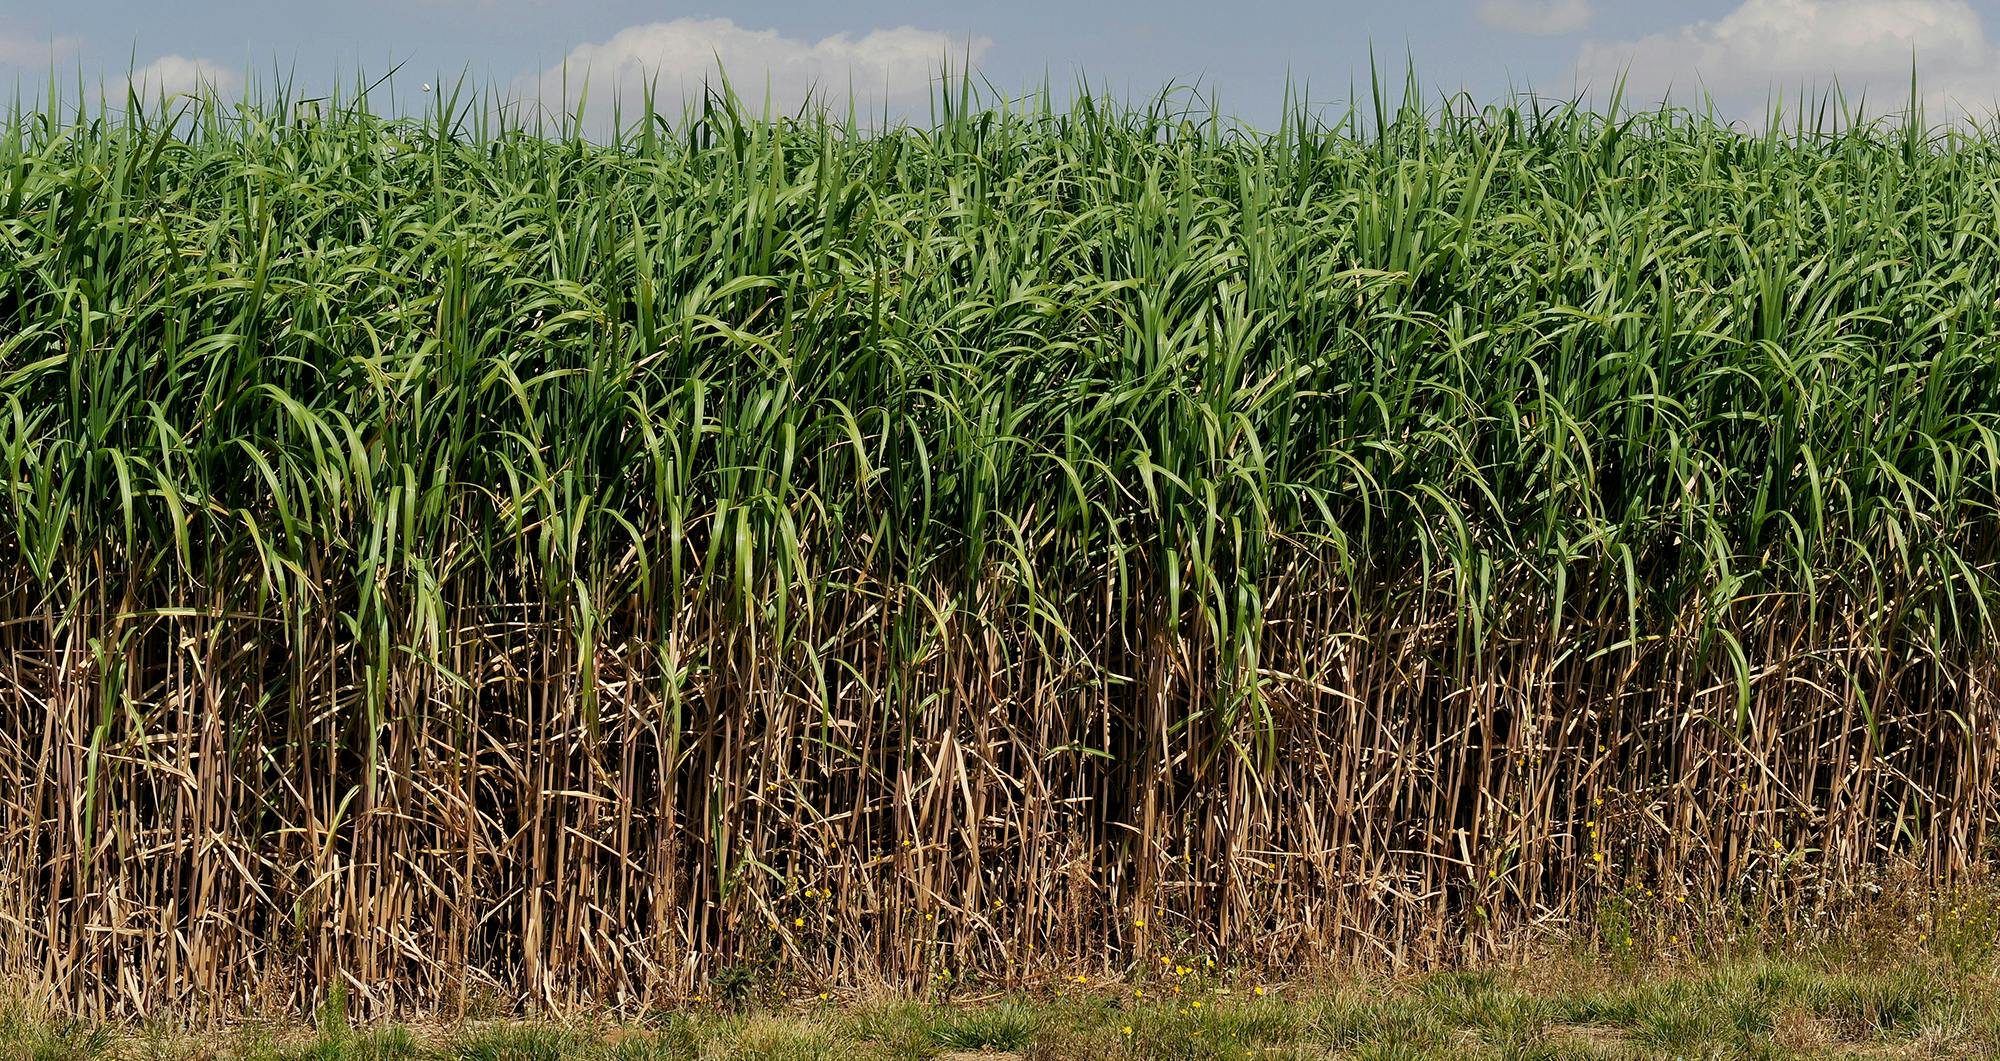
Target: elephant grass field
[466, 565]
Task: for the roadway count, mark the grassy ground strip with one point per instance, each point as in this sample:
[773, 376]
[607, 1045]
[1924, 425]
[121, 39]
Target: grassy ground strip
[1759, 1007]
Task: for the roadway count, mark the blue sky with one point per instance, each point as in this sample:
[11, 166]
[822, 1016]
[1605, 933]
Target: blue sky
[1738, 49]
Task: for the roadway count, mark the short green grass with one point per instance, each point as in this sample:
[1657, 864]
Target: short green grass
[1827, 1005]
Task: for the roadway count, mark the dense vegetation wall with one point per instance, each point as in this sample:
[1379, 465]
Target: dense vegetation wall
[461, 565]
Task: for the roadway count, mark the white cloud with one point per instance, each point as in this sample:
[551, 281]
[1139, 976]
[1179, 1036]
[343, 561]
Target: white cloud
[24, 52]
[1782, 44]
[1540, 17]
[175, 74]
[892, 65]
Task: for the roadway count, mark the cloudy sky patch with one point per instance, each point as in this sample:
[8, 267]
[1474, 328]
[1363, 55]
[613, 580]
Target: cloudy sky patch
[174, 75]
[677, 58]
[1248, 56]
[1761, 45]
